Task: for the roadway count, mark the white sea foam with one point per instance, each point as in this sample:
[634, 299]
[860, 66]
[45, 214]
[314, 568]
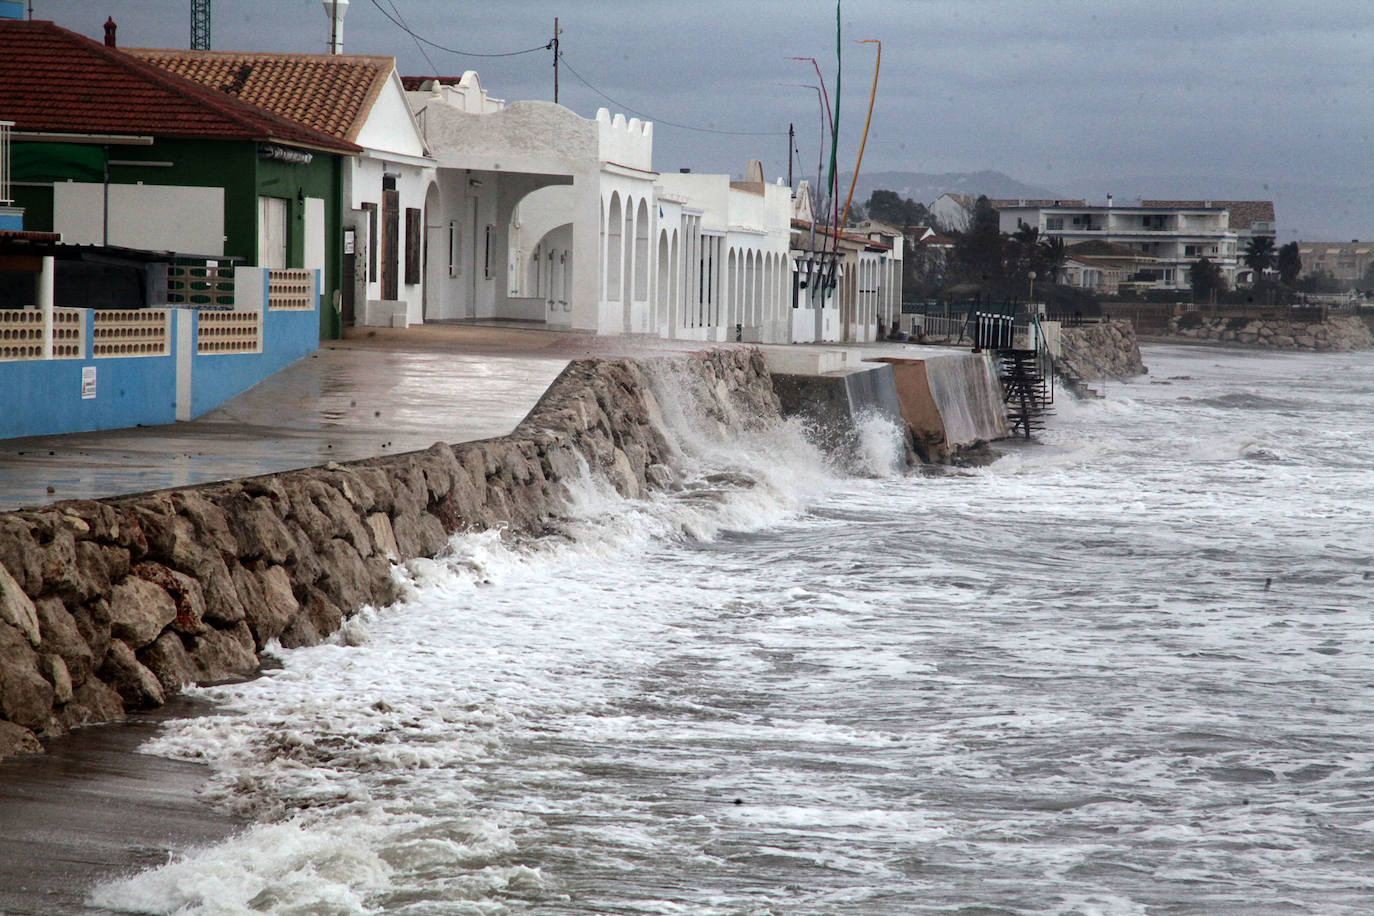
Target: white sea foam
[1055, 684]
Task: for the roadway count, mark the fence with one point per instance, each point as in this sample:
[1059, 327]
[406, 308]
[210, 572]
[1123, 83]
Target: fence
[72, 370]
[200, 286]
[131, 332]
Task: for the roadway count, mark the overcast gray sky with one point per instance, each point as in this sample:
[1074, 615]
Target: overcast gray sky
[1050, 92]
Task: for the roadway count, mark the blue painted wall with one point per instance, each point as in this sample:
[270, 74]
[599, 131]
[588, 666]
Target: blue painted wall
[43, 397]
[217, 377]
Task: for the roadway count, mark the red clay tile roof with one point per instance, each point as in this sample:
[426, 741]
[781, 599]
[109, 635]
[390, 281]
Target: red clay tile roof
[54, 80]
[331, 93]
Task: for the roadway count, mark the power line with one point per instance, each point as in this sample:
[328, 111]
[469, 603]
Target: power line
[419, 47]
[640, 114]
[420, 38]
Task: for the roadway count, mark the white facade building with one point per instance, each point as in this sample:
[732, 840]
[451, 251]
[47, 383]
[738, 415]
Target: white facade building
[544, 217]
[1175, 237]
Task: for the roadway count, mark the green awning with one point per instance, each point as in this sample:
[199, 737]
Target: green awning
[56, 162]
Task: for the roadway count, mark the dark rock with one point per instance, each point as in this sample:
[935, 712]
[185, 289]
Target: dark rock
[92, 702]
[304, 565]
[62, 572]
[419, 535]
[16, 739]
[209, 522]
[384, 539]
[20, 555]
[169, 661]
[259, 531]
[16, 609]
[185, 592]
[318, 618]
[54, 671]
[220, 654]
[93, 622]
[345, 579]
[26, 697]
[137, 687]
[60, 635]
[139, 610]
[94, 563]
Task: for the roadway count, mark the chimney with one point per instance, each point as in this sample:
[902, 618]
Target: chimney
[110, 32]
[335, 10]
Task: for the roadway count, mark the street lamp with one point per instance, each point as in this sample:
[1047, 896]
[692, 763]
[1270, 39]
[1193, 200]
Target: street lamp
[1031, 297]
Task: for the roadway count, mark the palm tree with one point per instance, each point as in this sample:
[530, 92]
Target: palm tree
[1289, 263]
[1053, 252]
[1260, 254]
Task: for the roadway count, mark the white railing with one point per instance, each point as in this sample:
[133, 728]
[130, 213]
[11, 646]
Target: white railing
[131, 332]
[5, 198]
[941, 327]
[290, 289]
[229, 332]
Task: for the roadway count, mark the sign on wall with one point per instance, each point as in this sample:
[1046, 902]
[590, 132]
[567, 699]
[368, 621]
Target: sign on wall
[87, 382]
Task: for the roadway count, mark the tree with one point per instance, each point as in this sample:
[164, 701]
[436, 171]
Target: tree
[1054, 253]
[1289, 264]
[981, 254]
[1259, 254]
[890, 207]
[1207, 280]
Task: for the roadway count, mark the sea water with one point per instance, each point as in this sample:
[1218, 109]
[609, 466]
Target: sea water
[1124, 669]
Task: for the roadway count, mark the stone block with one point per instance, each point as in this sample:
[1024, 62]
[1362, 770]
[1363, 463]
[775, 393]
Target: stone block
[137, 687]
[139, 611]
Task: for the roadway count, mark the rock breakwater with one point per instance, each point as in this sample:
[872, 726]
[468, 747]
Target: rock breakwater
[1336, 333]
[1092, 352]
[114, 605]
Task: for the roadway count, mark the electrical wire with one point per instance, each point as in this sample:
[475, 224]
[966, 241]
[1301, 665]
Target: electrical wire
[621, 105]
[420, 38]
[419, 47]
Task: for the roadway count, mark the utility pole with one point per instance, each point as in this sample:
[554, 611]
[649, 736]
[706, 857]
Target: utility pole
[791, 145]
[555, 60]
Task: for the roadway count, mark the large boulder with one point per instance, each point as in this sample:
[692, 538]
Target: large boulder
[26, 697]
[138, 687]
[139, 611]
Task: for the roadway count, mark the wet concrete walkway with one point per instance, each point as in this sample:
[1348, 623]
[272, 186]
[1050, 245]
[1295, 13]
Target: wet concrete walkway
[373, 395]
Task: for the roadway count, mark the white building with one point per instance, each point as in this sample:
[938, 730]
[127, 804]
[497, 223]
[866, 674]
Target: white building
[387, 189]
[1175, 237]
[542, 216]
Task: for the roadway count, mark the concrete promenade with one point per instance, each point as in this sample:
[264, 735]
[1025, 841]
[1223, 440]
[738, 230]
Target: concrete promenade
[380, 391]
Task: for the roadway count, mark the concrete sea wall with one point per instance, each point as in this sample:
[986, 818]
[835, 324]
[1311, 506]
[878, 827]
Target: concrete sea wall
[947, 403]
[116, 604]
[1337, 333]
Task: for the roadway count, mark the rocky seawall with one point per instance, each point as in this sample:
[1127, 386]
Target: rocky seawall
[1337, 333]
[1098, 351]
[114, 605]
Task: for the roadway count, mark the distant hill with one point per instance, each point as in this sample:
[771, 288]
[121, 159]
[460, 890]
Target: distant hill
[924, 187]
[1305, 210]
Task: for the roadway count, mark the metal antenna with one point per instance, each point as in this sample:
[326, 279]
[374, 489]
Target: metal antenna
[200, 25]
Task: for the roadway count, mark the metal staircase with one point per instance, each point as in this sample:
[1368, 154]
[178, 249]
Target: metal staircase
[1027, 373]
[1028, 390]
